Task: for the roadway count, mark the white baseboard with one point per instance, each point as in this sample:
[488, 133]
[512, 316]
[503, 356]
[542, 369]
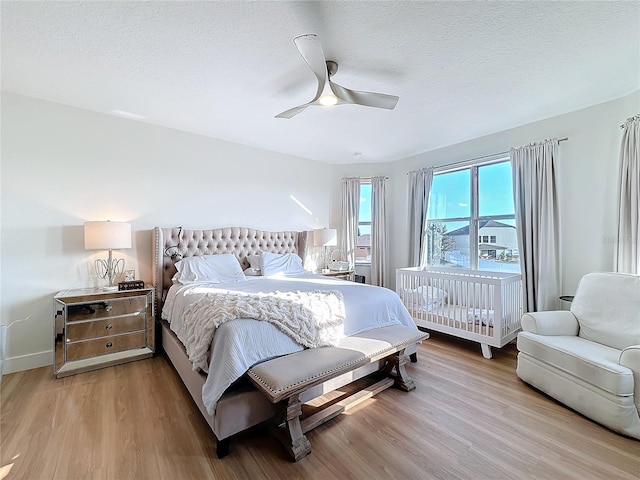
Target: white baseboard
[27, 362]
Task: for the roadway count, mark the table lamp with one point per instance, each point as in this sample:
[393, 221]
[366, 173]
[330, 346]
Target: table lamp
[325, 237]
[107, 235]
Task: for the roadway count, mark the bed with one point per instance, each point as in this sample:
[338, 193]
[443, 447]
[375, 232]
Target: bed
[228, 402]
[481, 306]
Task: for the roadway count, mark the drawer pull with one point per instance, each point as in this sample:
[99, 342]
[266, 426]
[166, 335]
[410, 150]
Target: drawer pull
[108, 308]
[109, 345]
[108, 327]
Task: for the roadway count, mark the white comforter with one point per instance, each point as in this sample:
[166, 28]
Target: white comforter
[239, 344]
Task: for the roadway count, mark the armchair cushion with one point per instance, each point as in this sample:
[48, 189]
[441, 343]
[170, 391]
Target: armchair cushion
[607, 306]
[591, 362]
[559, 322]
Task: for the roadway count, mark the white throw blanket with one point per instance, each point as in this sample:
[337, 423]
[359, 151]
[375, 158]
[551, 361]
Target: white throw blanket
[312, 319]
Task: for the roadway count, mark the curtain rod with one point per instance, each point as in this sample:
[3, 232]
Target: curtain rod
[369, 178]
[477, 158]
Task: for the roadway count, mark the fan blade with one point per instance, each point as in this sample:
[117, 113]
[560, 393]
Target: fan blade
[311, 50]
[368, 99]
[292, 112]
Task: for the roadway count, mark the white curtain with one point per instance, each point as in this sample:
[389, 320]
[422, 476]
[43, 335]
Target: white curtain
[419, 188]
[350, 211]
[536, 212]
[627, 254]
[378, 231]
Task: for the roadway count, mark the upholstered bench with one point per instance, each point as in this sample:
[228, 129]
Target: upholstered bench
[285, 380]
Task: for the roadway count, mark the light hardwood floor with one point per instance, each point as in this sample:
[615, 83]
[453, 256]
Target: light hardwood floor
[469, 418]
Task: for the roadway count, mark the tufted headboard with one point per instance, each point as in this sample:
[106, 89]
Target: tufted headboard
[240, 241]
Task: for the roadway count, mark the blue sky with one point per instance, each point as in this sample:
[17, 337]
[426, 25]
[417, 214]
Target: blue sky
[450, 193]
[365, 204]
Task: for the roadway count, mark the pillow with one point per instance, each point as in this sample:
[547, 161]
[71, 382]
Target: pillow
[273, 263]
[424, 297]
[256, 264]
[252, 272]
[432, 295]
[221, 268]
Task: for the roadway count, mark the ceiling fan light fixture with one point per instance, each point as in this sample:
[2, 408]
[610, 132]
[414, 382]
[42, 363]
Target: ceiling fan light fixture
[328, 100]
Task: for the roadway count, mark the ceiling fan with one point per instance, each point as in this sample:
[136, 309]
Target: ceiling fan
[330, 93]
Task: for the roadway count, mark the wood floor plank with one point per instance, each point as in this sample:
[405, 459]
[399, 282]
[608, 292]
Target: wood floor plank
[469, 418]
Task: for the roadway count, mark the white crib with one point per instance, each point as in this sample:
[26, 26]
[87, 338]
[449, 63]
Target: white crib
[485, 307]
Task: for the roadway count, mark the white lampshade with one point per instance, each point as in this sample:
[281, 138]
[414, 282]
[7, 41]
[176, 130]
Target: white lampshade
[325, 237]
[107, 235]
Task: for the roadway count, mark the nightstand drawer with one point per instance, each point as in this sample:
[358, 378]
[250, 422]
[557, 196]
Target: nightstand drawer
[100, 328]
[102, 346]
[112, 307]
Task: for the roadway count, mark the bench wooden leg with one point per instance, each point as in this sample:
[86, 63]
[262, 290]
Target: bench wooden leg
[402, 379]
[289, 430]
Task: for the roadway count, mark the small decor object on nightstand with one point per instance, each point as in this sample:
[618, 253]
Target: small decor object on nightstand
[132, 285]
[339, 266]
[129, 275]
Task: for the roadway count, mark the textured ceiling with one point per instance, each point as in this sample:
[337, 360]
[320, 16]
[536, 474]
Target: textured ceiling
[225, 69]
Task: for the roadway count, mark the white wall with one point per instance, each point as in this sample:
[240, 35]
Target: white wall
[587, 182]
[62, 166]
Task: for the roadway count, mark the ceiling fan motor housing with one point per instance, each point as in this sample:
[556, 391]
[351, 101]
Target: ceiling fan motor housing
[332, 67]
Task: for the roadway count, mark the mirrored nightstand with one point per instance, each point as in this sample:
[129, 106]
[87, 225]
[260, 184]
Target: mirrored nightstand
[95, 329]
[344, 274]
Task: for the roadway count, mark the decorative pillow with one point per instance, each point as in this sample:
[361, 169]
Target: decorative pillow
[221, 268]
[424, 297]
[252, 272]
[432, 295]
[273, 263]
[256, 264]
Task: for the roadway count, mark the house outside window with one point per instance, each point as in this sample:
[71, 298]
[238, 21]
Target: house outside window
[475, 202]
[363, 244]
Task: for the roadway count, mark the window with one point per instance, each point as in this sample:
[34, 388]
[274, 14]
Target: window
[363, 245]
[475, 202]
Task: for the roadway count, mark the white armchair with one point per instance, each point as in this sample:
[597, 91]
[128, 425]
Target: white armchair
[589, 357]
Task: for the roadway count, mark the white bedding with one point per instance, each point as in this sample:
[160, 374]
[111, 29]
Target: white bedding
[239, 344]
[441, 314]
